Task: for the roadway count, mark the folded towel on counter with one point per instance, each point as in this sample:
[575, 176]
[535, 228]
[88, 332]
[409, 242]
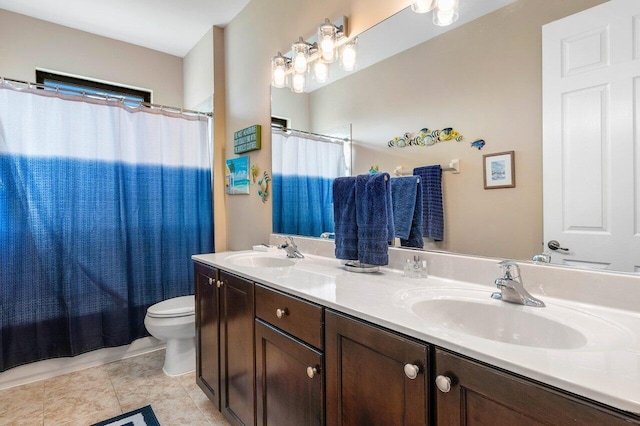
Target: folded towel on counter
[344, 216]
[374, 218]
[403, 199]
[432, 210]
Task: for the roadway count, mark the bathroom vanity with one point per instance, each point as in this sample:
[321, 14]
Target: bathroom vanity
[302, 341]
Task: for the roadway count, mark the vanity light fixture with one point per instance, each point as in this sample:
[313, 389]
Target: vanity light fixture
[446, 12]
[423, 6]
[332, 43]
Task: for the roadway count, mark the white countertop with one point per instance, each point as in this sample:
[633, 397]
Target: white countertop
[606, 370]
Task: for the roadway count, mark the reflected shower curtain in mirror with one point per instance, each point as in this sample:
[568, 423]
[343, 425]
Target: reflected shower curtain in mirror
[303, 171]
[101, 207]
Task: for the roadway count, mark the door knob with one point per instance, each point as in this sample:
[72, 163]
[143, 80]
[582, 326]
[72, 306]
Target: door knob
[282, 312]
[219, 283]
[210, 281]
[554, 245]
[411, 371]
[443, 383]
[312, 371]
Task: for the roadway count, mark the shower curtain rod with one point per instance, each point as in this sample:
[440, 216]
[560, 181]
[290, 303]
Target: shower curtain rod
[106, 97]
[332, 139]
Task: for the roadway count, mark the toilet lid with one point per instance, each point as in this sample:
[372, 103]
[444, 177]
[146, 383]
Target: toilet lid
[175, 307]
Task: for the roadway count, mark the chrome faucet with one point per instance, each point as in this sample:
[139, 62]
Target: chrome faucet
[291, 248]
[511, 286]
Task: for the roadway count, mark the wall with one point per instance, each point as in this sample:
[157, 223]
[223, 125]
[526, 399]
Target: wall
[263, 28]
[28, 43]
[198, 75]
[504, 111]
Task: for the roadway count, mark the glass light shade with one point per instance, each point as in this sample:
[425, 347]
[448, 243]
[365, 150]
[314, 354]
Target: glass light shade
[327, 34]
[423, 6]
[349, 56]
[300, 56]
[297, 83]
[446, 12]
[279, 71]
[320, 71]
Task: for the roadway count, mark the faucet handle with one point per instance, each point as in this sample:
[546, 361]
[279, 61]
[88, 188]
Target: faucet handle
[506, 266]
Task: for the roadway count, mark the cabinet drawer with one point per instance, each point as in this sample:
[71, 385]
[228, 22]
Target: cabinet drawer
[294, 316]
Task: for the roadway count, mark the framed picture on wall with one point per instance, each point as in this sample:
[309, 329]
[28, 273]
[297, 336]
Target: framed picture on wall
[499, 170]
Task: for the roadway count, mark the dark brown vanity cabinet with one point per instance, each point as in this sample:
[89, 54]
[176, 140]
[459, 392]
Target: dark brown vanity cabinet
[207, 332]
[289, 360]
[374, 377]
[225, 342]
[470, 393]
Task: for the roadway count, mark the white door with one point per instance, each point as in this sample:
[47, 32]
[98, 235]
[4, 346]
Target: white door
[591, 129]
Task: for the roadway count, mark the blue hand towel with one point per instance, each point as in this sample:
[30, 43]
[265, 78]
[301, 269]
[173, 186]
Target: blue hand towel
[374, 218]
[432, 210]
[403, 198]
[344, 216]
[415, 233]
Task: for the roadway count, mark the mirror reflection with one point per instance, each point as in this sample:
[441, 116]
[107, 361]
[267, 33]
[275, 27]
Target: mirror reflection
[481, 77]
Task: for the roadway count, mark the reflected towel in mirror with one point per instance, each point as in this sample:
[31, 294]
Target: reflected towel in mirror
[405, 191]
[432, 209]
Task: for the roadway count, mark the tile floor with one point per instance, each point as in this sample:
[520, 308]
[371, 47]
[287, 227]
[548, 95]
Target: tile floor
[98, 393]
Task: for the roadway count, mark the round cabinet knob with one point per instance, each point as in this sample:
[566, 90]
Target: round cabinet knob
[210, 281]
[219, 283]
[280, 313]
[443, 383]
[312, 371]
[411, 371]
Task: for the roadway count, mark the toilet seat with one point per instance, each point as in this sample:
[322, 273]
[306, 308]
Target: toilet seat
[172, 308]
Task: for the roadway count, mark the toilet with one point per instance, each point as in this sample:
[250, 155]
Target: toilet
[174, 320]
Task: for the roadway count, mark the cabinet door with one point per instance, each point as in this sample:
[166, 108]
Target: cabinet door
[365, 373]
[238, 351]
[207, 327]
[481, 395]
[289, 379]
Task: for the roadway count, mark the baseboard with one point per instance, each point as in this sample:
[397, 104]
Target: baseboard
[55, 367]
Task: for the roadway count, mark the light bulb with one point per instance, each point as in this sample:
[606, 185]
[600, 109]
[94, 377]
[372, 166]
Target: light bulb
[423, 6]
[321, 71]
[327, 34]
[300, 55]
[300, 63]
[279, 77]
[279, 70]
[349, 55]
[298, 82]
[328, 47]
[446, 13]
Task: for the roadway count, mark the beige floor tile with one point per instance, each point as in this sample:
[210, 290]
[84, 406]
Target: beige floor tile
[22, 405]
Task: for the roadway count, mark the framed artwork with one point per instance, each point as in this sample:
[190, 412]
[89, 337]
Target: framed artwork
[237, 175]
[499, 170]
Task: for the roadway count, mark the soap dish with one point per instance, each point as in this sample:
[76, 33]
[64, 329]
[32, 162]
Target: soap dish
[355, 266]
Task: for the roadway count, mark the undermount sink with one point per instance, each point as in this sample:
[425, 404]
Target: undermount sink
[474, 313]
[261, 261]
[502, 325]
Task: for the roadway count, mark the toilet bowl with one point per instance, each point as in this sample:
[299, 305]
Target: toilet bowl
[174, 320]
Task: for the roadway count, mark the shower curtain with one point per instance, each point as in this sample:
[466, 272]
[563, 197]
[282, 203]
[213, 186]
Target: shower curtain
[303, 171]
[101, 207]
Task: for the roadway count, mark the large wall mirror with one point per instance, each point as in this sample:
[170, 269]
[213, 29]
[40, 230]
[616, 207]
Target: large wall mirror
[482, 77]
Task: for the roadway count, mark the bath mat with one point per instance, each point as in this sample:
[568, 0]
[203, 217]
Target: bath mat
[141, 417]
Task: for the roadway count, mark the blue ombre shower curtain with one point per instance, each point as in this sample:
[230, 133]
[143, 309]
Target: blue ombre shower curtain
[303, 172]
[101, 207]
